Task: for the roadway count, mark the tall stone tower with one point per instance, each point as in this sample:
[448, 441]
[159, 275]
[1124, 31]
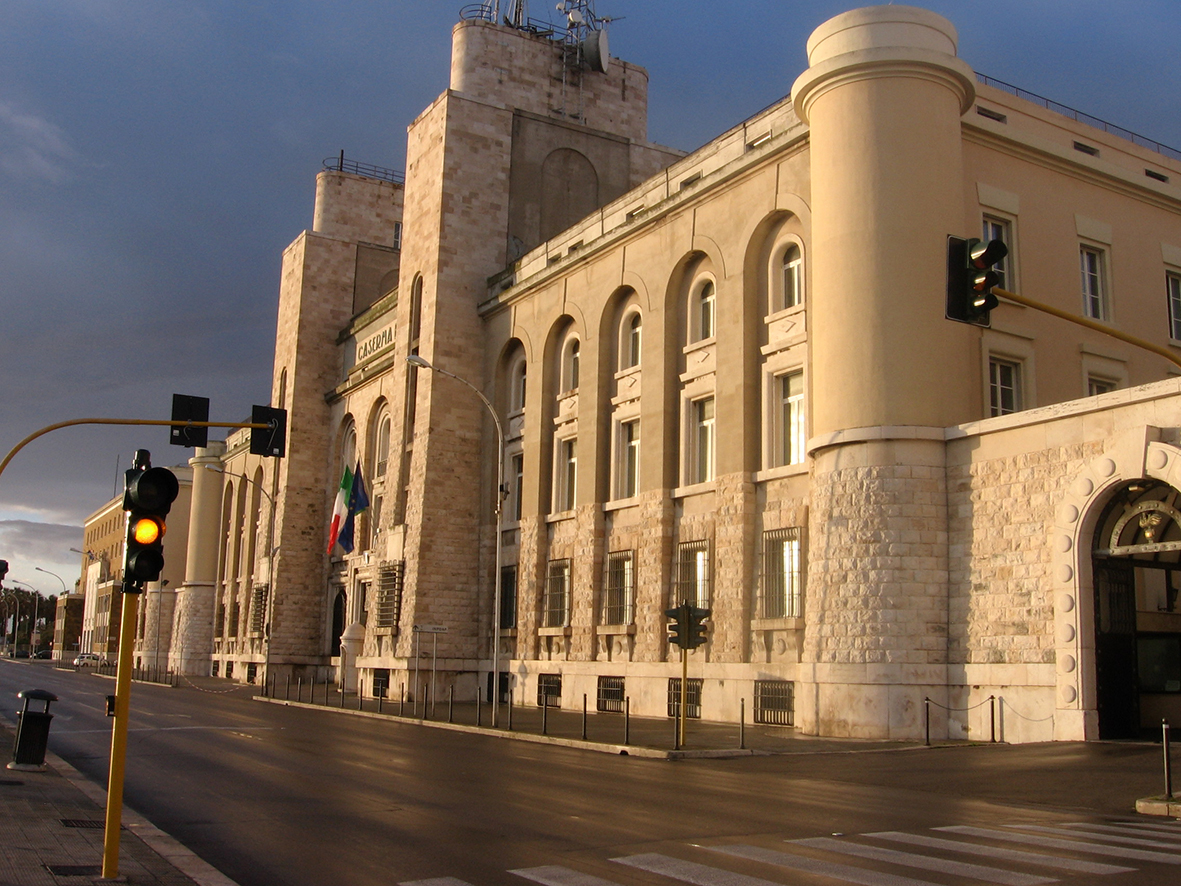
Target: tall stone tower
[883, 97]
[525, 142]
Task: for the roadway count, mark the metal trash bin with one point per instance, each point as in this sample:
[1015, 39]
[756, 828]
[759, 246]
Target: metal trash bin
[32, 732]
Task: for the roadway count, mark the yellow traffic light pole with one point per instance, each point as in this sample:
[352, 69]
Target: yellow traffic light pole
[114, 816]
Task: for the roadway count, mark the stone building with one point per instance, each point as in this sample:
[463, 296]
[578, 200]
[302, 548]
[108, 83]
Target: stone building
[723, 377]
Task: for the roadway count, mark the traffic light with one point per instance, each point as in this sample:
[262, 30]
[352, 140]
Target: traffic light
[3, 569]
[697, 628]
[148, 494]
[970, 279]
[687, 629]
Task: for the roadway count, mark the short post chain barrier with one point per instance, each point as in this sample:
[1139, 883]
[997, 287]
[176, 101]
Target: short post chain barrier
[992, 719]
[627, 718]
[927, 721]
[742, 724]
[1164, 725]
[584, 716]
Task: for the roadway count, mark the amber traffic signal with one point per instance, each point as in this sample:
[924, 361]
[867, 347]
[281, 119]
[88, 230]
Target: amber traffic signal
[148, 494]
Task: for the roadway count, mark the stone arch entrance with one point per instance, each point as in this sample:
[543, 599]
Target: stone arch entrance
[1136, 566]
[1115, 544]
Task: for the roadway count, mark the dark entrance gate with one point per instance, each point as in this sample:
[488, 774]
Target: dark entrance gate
[1117, 685]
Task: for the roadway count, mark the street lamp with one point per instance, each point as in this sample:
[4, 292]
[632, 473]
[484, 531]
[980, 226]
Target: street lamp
[494, 652]
[272, 556]
[55, 575]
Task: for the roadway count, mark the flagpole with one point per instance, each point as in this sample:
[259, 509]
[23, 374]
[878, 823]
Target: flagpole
[494, 650]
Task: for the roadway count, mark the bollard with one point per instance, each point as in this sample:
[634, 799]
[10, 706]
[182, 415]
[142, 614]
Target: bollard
[742, 724]
[426, 699]
[451, 703]
[584, 716]
[360, 696]
[1164, 725]
[402, 700]
[992, 718]
[479, 706]
[544, 714]
[299, 690]
[927, 721]
[627, 718]
[510, 710]
[287, 690]
[381, 696]
[677, 728]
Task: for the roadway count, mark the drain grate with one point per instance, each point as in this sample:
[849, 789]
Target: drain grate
[97, 823]
[74, 870]
[10, 783]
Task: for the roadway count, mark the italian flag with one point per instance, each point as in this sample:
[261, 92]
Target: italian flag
[351, 500]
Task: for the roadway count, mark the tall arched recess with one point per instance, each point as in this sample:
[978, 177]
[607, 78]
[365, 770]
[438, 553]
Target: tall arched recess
[1117, 571]
[569, 190]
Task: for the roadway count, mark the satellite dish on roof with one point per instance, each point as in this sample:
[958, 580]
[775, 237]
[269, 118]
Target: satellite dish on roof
[595, 52]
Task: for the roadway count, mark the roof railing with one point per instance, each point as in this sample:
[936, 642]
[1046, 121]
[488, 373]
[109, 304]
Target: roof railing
[1082, 117]
[368, 170]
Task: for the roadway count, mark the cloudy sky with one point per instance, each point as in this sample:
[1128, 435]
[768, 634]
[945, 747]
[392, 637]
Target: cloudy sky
[156, 156]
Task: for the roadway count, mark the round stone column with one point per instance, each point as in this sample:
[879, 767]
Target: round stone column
[192, 633]
[883, 98]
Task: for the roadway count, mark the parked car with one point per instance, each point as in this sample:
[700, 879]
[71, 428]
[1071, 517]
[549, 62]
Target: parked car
[43, 653]
[86, 659]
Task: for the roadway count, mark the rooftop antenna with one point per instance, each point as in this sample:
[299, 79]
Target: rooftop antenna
[587, 31]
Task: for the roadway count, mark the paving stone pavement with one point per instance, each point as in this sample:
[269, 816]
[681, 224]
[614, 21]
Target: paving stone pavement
[42, 844]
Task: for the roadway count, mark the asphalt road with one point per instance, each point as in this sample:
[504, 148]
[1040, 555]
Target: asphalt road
[285, 796]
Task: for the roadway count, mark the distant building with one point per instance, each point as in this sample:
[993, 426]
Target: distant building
[723, 377]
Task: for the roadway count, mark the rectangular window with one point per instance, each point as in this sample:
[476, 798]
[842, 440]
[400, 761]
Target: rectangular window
[782, 575]
[791, 418]
[692, 698]
[775, 702]
[567, 474]
[691, 574]
[609, 697]
[516, 473]
[619, 600]
[557, 595]
[381, 682]
[629, 458]
[258, 609]
[388, 607]
[1173, 287]
[1091, 265]
[998, 229]
[1096, 385]
[508, 597]
[397, 235]
[549, 690]
[702, 467]
[1004, 386]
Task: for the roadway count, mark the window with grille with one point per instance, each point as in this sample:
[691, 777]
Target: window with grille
[775, 702]
[549, 690]
[251, 672]
[692, 698]
[557, 594]
[258, 609]
[388, 609]
[610, 694]
[691, 574]
[619, 599]
[508, 597]
[782, 575]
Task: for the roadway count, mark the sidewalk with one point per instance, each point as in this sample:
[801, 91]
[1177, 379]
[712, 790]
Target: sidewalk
[51, 834]
[610, 733]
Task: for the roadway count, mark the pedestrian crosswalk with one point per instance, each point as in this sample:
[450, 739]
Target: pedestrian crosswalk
[1012, 855]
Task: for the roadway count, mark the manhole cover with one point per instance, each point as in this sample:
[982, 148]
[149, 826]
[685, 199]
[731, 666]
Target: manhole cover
[74, 870]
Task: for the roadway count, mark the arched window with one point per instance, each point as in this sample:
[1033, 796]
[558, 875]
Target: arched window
[381, 454]
[570, 365]
[702, 308]
[348, 447]
[629, 346]
[792, 267]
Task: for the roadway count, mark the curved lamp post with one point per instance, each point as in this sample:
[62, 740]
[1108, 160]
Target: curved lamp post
[494, 651]
[55, 575]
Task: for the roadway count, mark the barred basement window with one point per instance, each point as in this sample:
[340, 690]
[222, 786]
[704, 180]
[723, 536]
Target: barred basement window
[258, 609]
[557, 595]
[381, 682]
[692, 698]
[775, 702]
[251, 672]
[691, 574]
[389, 596]
[549, 690]
[620, 596]
[610, 694]
[781, 574]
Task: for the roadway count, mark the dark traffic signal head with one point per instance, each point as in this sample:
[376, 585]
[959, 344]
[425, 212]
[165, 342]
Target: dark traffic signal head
[148, 495]
[970, 279]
